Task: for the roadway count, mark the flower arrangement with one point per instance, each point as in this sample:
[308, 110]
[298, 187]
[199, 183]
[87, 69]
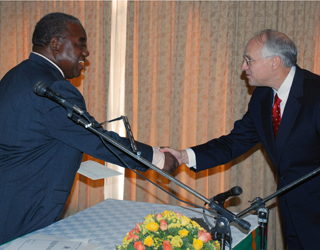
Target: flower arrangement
[168, 231]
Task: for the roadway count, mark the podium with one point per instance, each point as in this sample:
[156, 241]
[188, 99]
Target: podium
[107, 223]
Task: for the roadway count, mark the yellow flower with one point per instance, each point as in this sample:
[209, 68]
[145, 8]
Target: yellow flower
[184, 220]
[157, 242]
[148, 241]
[153, 234]
[126, 242]
[216, 244]
[125, 239]
[196, 225]
[153, 226]
[189, 226]
[174, 225]
[183, 233]
[197, 244]
[143, 229]
[176, 241]
[166, 213]
[149, 218]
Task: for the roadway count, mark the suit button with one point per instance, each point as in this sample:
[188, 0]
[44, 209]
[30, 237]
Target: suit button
[283, 177]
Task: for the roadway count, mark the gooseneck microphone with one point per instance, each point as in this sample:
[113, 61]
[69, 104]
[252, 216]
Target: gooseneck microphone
[221, 198]
[42, 89]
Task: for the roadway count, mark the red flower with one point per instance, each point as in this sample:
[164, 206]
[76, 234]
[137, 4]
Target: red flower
[166, 245]
[158, 216]
[179, 215]
[204, 236]
[137, 228]
[163, 225]
[139, 245]
[132, 235]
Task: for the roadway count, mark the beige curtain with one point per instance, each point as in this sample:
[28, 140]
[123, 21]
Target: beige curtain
[17, 22]
[184, 86]
[113, 187]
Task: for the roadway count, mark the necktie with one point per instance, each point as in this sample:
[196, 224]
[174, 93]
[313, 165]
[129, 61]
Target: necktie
[276, 115]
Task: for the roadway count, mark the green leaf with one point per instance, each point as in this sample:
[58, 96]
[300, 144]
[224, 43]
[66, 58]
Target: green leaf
[131, 247]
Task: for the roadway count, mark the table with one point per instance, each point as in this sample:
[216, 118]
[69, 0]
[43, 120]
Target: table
[107, 223]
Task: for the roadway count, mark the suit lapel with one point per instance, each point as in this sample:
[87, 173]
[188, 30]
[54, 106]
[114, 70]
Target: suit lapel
[290, 112]
[266, 116]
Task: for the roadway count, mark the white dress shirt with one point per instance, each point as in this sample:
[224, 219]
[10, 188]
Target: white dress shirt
[50, 62]
[283, 94]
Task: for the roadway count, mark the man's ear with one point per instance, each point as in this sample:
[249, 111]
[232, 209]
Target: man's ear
[276, 62]
[55, 44]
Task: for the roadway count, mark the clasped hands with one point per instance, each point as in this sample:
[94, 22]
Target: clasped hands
[173, 159]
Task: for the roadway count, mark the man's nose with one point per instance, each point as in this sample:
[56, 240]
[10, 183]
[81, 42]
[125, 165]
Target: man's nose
[244, 66]
[86, 52]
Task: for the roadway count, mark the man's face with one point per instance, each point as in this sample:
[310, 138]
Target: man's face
[259, 69]
[72, 51]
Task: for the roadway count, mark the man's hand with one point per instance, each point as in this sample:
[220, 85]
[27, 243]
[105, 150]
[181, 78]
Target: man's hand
[170, 163]
[180, 155]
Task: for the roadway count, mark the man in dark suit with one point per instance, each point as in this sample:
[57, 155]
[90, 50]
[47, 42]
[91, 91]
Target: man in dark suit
[40, 147]
[294, 147]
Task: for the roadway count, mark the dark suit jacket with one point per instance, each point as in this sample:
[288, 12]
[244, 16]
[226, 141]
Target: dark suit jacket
[295, 153]
[41, 148]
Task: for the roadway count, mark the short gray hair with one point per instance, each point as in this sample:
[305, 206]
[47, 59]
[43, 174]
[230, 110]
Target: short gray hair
[276, 43]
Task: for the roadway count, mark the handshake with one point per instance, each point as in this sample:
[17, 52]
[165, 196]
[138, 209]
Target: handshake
[172, 158]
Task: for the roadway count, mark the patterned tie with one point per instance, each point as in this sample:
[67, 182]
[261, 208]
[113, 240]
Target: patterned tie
[276, 115]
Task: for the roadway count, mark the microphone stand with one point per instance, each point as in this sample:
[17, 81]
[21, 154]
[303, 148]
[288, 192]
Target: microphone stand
[216, 232]
[258, 204]
[225, 218]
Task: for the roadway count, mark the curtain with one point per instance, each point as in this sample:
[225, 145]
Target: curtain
[17, 22]
[184, 86]
[114, 185]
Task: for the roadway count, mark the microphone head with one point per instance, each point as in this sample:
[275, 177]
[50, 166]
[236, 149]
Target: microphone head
[235, 191]
[244, 224]
[40, 88]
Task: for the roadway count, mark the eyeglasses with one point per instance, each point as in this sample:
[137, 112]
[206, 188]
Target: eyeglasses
[252, 60]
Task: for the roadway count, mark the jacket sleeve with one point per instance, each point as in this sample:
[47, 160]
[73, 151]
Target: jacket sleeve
[64, 129]
[226, 148]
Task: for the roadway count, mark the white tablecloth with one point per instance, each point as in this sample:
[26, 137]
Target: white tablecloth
[107, 223]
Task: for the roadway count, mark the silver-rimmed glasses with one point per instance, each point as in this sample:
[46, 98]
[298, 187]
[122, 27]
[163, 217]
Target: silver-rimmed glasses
[248, 61]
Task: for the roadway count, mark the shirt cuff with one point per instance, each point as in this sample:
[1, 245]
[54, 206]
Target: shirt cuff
[192, 159]
[158, 158]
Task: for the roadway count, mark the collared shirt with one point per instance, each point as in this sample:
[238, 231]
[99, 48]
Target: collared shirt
[283, 94]
[50, 62]
[284, 90]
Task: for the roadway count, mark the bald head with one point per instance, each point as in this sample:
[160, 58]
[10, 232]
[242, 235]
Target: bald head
[276, 43]
[268, 58]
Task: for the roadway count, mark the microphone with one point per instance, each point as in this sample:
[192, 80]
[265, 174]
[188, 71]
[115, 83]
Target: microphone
[42, 89]
[221, 198]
